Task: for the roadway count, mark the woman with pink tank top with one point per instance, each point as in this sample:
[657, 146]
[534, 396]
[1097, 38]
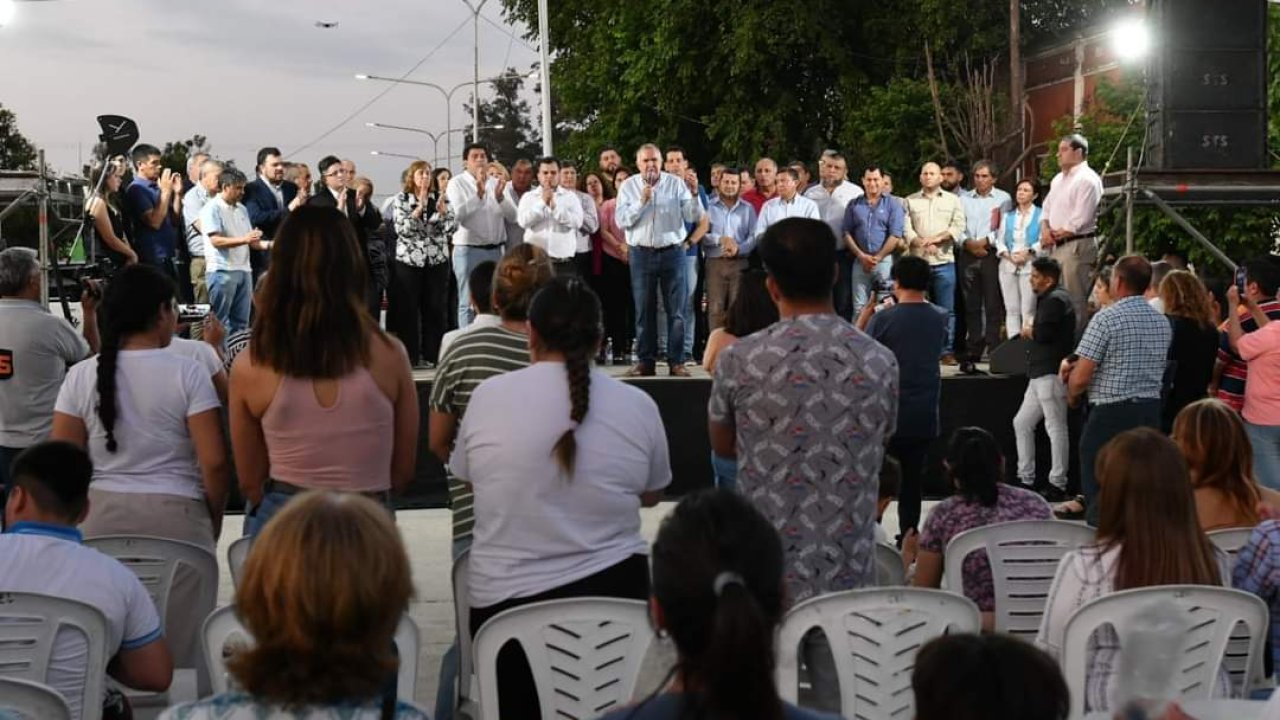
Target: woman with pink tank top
[323, 399]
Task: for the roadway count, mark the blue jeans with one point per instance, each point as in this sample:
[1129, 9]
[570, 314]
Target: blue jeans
[726, 471]
[1104, 423]
[691, 286]
[465, 259]
[1266, 453]
[257, 516]
[229, 294]
[654, 271]
[865, 282]
[942, 292]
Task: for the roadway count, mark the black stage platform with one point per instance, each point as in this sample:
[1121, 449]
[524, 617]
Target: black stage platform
[988, 401]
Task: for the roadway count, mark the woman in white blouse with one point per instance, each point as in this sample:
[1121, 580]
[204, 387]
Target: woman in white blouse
[1017, 242]
[1148, 534]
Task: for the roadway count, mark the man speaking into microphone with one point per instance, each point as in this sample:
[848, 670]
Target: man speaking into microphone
[653, 207]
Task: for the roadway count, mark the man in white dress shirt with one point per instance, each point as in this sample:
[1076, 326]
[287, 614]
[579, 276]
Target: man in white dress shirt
[590, 217]
[788, 203]
[653, 208]
[482, 209]
[1069, 221]
[551, 216]
[832, 195]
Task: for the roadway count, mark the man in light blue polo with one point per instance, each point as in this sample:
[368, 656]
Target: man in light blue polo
[978, 265]
[872, 230]
[228, 236]
[727, 244]
[653, 208]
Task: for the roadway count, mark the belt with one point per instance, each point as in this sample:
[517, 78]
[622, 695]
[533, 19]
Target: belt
[1082, 236]
[483, 247]
[562, 261]
[284, 488]
[664, 248]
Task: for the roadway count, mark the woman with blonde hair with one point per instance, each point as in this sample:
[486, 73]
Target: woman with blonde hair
[1219, 458]
[418, 304]
[1148, 534]
[323, 399]
[324, 588]
[498, 170]
[1195, 342]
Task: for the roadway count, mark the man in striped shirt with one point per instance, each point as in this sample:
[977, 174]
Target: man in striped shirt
[1262, 281]
[474, 357]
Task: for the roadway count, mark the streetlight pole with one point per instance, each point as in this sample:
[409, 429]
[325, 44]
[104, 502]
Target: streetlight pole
[435, 136]
[475, 83]
[448, 100]
[544, 65]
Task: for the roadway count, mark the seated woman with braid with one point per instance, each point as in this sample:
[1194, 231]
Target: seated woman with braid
[561, 458]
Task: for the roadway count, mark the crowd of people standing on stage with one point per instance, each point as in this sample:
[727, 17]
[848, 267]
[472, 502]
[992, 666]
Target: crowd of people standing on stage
[830, 311]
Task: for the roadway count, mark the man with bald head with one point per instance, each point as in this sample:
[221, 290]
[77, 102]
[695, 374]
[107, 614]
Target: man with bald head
[766, 187]
[935, 221]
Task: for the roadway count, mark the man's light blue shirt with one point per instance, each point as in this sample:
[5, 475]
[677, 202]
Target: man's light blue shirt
[978, 213]
[737, 222]
[661, 221]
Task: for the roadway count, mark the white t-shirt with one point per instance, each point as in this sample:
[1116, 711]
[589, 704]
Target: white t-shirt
[49, 559]
[200, 351]
[535, 528]
[156, 391]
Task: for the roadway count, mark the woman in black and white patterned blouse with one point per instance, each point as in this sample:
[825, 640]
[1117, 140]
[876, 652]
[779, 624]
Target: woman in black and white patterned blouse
[417, 311]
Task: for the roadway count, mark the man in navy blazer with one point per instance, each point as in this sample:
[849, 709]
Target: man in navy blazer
[269, 199]
[335, 191]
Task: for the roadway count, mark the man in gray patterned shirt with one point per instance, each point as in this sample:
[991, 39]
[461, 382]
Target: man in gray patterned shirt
[807, 406]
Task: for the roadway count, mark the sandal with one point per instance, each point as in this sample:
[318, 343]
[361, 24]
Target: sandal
[1072, 509]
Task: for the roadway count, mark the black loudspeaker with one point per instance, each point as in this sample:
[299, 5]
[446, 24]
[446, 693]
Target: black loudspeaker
[1010, 358]
[1207, 85]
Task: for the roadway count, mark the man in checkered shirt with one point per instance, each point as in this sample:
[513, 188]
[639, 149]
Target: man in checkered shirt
[1120, 362]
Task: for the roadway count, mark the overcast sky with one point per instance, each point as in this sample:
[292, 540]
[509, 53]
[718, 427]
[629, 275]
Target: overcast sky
[248, 73]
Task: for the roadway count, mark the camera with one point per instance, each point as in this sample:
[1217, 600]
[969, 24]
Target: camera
[193, 313]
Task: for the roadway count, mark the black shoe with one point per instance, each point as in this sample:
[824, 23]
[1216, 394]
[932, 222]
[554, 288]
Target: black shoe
[969, 368]
[1054, 494]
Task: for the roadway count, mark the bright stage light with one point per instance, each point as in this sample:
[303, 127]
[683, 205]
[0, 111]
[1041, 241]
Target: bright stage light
[1131, 39]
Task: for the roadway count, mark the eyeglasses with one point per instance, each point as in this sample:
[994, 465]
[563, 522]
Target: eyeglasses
[335, 173]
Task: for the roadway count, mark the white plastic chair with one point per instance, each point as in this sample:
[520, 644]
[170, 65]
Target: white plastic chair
[889, 569]
[1214, 613]
[32, 701]
[466, 690]
[28, 625]
[1230, 540]
[156, 561]
[237, 552]
[1024, 557]
[874, 636]
[585, 654]
[223, 626]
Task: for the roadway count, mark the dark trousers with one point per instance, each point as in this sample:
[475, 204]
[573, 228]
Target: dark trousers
[517, 694]
[418, 308]
[619, 311]
[1103, 423]
[983, 302]
[654, 271]
[912, 453]
[566, 268]
[842, 293]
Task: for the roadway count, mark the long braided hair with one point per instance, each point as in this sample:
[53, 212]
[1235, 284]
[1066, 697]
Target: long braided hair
[566, 317]
[131, 304]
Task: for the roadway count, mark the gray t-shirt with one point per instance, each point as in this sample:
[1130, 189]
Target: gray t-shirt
[813, 401]
[35, 350]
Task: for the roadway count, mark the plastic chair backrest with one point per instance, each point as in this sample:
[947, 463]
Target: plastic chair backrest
[1213, 612]
[237, 552]
[1024, 557]
[585, 654]
[31, 701]
[1230, 540]
[889, 569]
[462, 624]
[223, 627]
[874, 636]
[29, 624]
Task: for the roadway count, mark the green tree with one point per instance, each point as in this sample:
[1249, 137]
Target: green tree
[174, 154]
[16, 152]
[517, 137]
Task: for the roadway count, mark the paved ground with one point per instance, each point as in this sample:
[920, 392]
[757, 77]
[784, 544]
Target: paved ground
[427, 536]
